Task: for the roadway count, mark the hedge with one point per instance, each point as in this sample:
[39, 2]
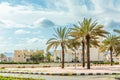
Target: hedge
[15, 78]
[101, 62]
[19, 63]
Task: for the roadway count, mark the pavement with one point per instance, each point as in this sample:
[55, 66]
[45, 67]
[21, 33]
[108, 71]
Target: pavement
[67, 71]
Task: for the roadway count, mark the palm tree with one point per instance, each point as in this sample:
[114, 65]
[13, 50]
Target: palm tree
[74, 46]
[110, 44]
[77, 34]
[90, 33]
[118, 31]
[60, 39]
[117, 49]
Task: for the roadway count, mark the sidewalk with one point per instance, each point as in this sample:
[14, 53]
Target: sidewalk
[67, 71]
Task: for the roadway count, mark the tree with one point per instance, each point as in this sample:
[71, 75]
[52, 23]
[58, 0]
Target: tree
[78, 35]
[110, 44]
[58, 59]
[117, 49]
[48, 56]
[118, 31]
[74, 46]
[37, 57]
[92, 31]
[60, 39]
[2, 56]
[88, 32]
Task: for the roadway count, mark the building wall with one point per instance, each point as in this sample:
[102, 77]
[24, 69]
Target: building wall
[24, 55]
[95, 55]
[70, 55]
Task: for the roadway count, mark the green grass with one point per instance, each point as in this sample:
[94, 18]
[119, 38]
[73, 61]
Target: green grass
[15, 78]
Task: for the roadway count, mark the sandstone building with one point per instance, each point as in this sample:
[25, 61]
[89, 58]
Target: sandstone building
[24, 55]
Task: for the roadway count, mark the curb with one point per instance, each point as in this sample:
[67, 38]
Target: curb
[61, 74]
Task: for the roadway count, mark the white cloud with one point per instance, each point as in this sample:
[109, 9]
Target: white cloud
[21, 32]
[57, 12]
[23, 16]
[32, 43]
[65, 11]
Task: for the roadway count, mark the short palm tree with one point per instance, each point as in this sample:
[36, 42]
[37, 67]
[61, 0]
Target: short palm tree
[89, 32]
[110, 44]
[60, 39]
[74, 46]
[77, 34]
[117, 49]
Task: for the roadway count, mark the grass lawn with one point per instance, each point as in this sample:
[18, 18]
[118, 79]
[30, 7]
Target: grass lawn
[13, 78]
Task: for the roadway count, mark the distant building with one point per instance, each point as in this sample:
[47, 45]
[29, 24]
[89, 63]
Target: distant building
[24, 55]
[9, 59]
[6, 59]
[70, 55]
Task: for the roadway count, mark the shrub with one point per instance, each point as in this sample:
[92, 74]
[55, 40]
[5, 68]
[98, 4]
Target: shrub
[19, 63]
[15, 78]
[2, 67]
[101, 62]
[32, 67]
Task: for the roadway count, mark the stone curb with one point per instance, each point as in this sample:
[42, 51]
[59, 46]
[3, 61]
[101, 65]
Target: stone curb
[61, 74]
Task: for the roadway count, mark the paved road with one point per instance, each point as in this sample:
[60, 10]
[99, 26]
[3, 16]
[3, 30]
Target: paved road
[99, 77]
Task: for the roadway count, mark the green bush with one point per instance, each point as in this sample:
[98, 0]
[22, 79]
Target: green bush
[101, 62]
[14, 78]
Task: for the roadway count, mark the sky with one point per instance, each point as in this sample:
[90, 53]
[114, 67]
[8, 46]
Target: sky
[28, 24]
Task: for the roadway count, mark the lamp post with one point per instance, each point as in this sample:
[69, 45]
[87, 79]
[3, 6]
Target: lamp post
[75, 53]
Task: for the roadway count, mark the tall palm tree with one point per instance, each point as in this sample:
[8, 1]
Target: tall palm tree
[90, 32]
[60, 39]
[110, 44]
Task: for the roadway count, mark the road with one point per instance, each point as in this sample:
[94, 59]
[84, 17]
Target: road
[98, 77]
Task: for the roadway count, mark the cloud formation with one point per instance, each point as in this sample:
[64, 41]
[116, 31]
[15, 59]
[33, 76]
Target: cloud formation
[32, 19]
[21, 31]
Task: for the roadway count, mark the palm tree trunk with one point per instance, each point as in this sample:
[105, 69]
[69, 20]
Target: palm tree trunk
[83, 54]
[62, 55]
[111, 50]
[88, 50]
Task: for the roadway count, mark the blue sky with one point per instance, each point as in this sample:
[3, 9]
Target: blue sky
[28, 24]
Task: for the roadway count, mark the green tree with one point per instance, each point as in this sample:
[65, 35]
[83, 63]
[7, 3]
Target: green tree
[118, 31]
[37, 57]
[117, 49]
[74, 46]
[60, 39]
[110, 43]
[48, 56]
[79, 36]
[58, 58]
[2, 56]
